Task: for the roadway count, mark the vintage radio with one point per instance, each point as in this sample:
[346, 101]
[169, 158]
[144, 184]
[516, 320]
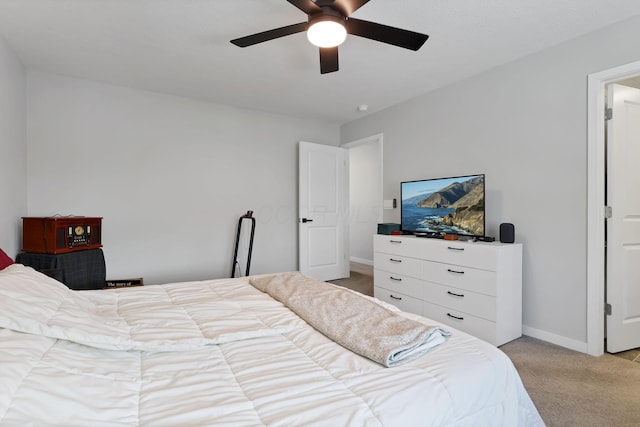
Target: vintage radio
[60, 234]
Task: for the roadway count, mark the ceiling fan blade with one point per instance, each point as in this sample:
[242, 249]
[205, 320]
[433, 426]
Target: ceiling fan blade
[271, 34]
[328, 59]
[307, 6]
[385, 34]
[321, 3]
[347, 7]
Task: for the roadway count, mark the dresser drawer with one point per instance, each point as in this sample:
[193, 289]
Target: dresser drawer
[481, 328]
[461, 300]
[471, 279]
[400, 245]
[472, 254]
[399, 283]
[398, 264]
[402, 301]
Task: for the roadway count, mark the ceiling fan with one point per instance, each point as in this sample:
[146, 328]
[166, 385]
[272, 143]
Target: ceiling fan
[327, 27]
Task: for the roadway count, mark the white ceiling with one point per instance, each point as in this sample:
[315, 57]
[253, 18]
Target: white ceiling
[182, 47]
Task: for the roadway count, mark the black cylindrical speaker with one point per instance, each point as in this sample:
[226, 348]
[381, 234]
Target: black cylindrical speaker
[507, 232]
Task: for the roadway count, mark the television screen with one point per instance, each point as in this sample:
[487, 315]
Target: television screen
[443, 205]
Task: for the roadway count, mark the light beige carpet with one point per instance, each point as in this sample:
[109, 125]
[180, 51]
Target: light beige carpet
[361, 279]
[575, 389]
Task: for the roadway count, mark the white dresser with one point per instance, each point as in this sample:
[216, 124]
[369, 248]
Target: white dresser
[473, 286]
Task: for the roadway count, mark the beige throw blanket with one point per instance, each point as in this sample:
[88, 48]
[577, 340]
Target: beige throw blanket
[351, 320]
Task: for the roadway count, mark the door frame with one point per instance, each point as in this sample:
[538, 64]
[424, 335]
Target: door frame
[596, 198]
[373, 139]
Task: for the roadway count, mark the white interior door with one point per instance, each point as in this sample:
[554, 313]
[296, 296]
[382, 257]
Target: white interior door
[623, 227]
[323, 211]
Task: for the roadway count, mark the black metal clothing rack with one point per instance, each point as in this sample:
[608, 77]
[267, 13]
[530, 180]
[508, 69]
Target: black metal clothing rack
[249, 216]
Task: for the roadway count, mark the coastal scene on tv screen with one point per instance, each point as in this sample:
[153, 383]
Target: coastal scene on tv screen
[448, 205]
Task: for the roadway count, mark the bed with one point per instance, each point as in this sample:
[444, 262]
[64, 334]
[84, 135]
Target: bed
[227, 352]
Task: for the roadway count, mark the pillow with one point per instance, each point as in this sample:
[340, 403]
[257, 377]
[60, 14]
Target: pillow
[5, 260]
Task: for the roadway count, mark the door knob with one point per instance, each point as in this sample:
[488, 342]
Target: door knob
[305, 220]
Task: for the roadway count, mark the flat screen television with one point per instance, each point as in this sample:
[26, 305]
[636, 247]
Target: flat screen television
[443, 206]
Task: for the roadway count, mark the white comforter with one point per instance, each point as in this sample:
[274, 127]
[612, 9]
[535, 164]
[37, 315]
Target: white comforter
[222, 353]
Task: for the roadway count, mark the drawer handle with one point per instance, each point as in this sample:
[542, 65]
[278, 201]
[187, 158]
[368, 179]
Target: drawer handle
[455, 271]
[455, 249]
[398, 298]
[395, 241]
[395, 260]
[395, 278]
[455, 295]
[455, 317]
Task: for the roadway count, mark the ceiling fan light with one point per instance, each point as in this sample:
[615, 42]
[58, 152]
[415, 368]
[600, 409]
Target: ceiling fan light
[327, 34]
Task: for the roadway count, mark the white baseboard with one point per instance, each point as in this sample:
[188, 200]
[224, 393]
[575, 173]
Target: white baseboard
[555, 339]
[361, 261]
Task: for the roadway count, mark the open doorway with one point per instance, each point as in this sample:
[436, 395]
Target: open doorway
[365, 196]
[622, 229]
[596, 200]
[365, 206]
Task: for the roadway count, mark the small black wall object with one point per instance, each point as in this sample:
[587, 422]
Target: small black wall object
[507, 232]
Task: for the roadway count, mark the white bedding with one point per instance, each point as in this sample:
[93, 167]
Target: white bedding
[221, 352]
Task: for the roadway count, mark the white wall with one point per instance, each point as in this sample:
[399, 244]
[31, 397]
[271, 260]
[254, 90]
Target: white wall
[524, 124]
[365, 179]
[13, 151]
[170, 175]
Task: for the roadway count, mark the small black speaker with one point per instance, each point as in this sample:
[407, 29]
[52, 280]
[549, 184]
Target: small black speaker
[507, 232]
